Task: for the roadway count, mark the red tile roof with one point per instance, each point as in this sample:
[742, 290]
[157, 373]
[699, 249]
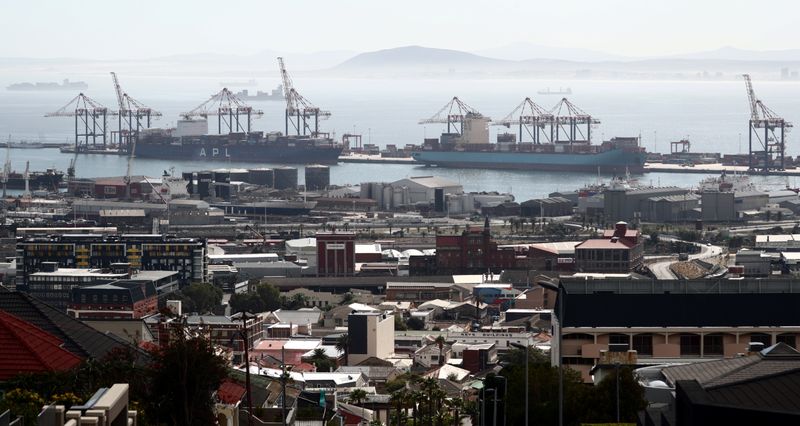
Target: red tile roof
[230, 392]
[27, 348]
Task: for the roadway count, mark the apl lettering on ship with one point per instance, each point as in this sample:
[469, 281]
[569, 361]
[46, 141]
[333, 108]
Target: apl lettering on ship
[255, 147]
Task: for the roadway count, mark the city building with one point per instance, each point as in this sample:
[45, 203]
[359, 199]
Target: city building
[556, 256]
[336, 254]
[370, 334]
[186, 256]
[667, 321]
[123, 299]
[53, 284]
[547, 207]
[473, 251]
[620, 250]
[761, 388]
[25, 348]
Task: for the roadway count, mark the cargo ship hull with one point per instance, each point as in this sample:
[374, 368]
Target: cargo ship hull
[610, 161]
[241, 152]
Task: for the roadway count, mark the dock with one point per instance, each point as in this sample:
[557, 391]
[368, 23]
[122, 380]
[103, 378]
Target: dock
[366, 158]
[714, 168]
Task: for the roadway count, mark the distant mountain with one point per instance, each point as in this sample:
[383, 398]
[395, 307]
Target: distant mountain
[729, 53]
[417, 57]
[520, 51]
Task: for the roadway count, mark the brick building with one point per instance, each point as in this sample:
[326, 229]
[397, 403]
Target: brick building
[473, 251]
[620, 250]
[336, 254]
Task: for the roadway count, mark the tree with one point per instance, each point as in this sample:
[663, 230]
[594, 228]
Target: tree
[399, 325]
[343, 345]
[321, 360]
[202, 297]
[357, 397]
[265, 298]
[602, 405]
[184, 375]
[399, 400]
[440, 341]
[270, 296]
[347, 298]
[415, 323]
[23, 403]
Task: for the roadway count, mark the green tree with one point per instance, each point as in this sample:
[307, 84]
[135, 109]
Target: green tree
[343, 345]
[202, 297]
[184, 376]
[321, 360]
[23, 403]
[399, 325]
[440, 341]
[247, 302]
[270, 296]
[415, 324]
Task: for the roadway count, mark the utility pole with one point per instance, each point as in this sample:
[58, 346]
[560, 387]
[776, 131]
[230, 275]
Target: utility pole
[244, 316]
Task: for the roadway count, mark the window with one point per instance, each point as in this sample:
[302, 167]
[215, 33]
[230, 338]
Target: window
[789, 339]
[643, 344]
[619, 339]
[690, 345]
[764, 338]
[712, 344]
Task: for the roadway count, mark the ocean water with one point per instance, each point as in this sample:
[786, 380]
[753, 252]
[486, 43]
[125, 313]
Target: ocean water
[713, 115]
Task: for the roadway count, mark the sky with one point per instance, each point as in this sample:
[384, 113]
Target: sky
[110, 29]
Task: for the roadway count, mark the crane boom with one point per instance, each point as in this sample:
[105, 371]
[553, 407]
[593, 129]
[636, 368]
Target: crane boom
[118, 90]
[751, 96]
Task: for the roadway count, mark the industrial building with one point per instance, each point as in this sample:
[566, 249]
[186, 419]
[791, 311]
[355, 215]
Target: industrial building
[547, 207]
[621, 204]
[411, 191]
[670, 208]
[336, 254]
[717, 206]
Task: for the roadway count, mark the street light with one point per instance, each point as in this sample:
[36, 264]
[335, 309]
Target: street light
[527, 363]
[560, 289]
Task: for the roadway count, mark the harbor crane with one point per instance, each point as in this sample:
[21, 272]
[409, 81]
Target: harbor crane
[773, 139]
[7, 167]
[454, 114]
[91, 119]
[233, 114]
[572, 123]
[132, 115]
[532, 119]
[299, 110]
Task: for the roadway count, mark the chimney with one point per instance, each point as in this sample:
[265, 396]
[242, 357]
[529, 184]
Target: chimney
[620, 228]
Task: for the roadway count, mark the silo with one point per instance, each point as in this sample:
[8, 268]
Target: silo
[204, 184]
[263, 176]
[317, 177]
[285, 178]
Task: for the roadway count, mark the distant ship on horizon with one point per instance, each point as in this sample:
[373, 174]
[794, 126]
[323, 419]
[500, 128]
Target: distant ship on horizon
[275, 94]
[560, 91]
[47, 86]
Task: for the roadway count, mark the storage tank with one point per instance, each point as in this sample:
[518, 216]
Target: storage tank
[204, 184]
[263, 176]
[239, 175]
[285, 178]
[189, 178]
[317, 177]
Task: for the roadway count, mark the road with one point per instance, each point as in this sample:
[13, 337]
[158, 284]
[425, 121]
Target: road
[661, 269]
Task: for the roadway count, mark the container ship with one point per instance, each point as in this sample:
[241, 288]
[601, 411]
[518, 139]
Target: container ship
[34, 87]
[471, 149]
[254, 147]
[48, 180]
[273, 95]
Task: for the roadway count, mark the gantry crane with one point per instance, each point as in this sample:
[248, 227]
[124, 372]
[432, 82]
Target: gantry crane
[454, 114]
[132, 115]
[91, 119]
[299, 110]
[232, 113]
[532, 119]
[572, 122]
[772, 140]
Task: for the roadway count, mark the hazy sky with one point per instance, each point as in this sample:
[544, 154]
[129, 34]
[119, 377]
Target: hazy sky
[144, 28]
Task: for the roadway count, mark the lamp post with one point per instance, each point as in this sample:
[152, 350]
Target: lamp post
[527, 363]
[560, 289]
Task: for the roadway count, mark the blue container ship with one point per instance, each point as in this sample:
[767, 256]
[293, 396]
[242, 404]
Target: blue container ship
[471, 149]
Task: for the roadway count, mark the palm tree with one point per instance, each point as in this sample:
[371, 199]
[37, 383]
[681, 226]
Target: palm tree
[357, 397]
[320, 359]
[399, 398]
[416, 398]
[440, 341]
[343, 346]
[429, 385]
[456, 405]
